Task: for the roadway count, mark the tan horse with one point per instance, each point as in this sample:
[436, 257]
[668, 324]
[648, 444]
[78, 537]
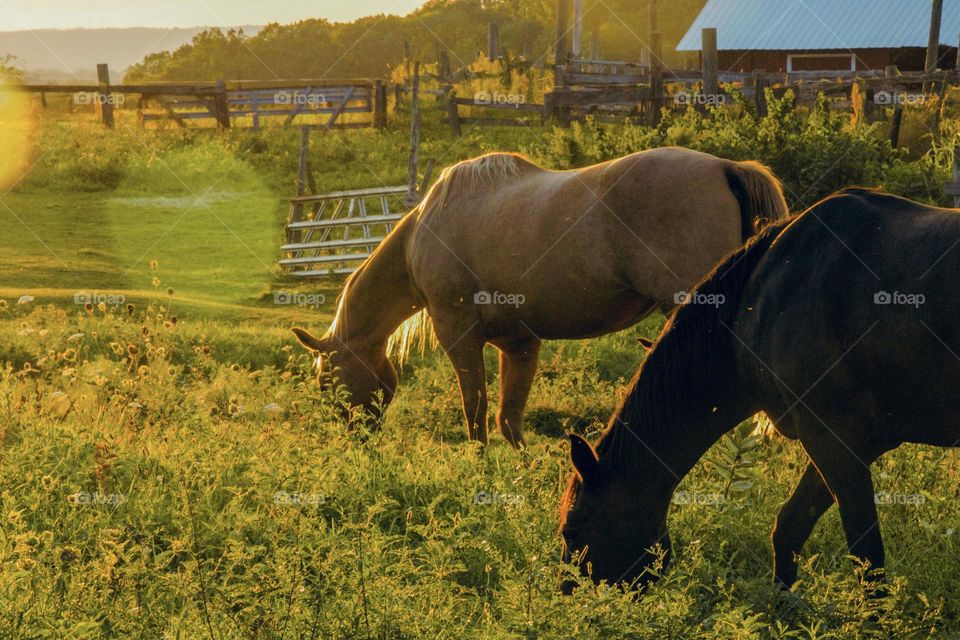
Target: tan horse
[502, 251]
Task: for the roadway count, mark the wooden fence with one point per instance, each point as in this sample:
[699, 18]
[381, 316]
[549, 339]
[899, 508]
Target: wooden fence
[224, 103]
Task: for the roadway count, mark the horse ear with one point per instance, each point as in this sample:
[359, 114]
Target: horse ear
[646, 343]
[584, 458]
[309, 342]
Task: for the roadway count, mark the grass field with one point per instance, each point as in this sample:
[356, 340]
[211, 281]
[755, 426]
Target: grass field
[172, 471]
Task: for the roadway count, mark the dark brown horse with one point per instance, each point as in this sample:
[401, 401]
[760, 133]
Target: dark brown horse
[843, 325]
[504, 252]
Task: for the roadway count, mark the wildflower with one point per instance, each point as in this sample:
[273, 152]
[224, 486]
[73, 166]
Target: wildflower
[155, 282]
[154, 265]
[70, 355]
[170, 292]
[88, 308]
[132, 349]
[102, 307]
[130, 308]
[3, 304]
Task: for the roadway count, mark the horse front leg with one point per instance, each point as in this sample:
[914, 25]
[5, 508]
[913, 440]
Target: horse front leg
[518, 364]
[795, 523]
[465, 350]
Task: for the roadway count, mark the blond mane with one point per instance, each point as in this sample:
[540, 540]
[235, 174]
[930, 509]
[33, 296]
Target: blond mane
[467, 176]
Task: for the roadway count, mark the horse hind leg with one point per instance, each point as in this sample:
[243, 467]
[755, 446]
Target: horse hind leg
[846, 472]
[518, 364]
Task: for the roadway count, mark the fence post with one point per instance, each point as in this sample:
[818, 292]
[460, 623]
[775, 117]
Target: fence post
[711, 83]
[493, 41]
[379, 105]
[956, 177]
[560, 43]
[891, 72]
[104, 97]
[575, 49]
[933, 42]
[760, 85]
[453, 113]
[221, 110]
[413, 196]
[656, 78]
[957, 65]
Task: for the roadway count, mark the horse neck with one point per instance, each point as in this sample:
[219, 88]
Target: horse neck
[682, 400]
[378, 297]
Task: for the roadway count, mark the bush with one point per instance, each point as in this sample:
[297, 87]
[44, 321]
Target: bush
[814, 152]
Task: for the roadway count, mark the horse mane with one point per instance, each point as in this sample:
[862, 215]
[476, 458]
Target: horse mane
[467, 176]
[695, 337]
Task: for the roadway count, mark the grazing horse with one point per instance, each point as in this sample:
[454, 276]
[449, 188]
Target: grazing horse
[502, 251]
[841, 325]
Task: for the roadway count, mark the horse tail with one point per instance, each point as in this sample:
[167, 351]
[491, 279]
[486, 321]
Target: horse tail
[759, 193]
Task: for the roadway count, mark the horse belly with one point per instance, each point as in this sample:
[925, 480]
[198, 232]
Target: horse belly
[567, 317]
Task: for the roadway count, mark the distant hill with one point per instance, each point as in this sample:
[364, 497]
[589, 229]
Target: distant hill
[72, 54]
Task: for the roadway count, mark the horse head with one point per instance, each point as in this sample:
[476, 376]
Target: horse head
[611, 528]
[366, 375]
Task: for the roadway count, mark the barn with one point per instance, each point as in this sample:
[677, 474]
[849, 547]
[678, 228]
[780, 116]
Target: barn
[824, 35]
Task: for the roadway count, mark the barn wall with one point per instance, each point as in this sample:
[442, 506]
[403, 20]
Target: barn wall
[908, 59]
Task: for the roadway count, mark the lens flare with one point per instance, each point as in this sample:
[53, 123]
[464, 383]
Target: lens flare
[16, 133]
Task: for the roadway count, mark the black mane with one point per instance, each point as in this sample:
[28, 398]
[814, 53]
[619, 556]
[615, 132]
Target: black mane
[694, 338]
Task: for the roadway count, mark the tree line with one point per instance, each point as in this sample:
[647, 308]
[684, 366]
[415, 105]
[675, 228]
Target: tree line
[371, 46]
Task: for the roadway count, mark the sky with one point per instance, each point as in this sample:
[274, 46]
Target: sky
[18, 15]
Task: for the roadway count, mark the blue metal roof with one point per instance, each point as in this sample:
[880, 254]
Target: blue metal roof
[821, 24]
